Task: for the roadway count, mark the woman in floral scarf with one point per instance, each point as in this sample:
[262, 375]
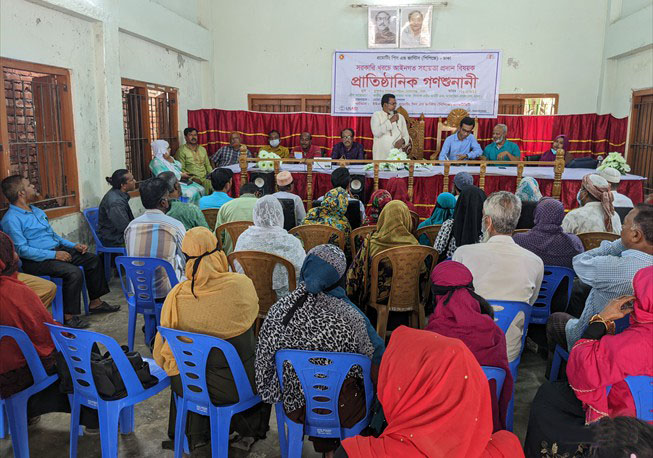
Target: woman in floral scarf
[331, 212]
[378, 200]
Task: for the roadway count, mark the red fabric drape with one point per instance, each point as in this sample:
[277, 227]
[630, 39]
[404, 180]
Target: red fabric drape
[588, 133]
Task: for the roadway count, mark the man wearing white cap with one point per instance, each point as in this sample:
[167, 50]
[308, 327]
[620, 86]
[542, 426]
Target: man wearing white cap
[286, 188]
[613, 176]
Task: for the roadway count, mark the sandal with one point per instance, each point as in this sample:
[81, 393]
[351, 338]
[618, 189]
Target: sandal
[104, 308]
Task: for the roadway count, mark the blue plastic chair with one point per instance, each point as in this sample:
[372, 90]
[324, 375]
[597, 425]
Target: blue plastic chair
[91, 215]
[321, 385]
[641, 387]
[16, 405]
[191, 352]
[139, 292]
[559, 355]
[76, 346]
[57, 303]
[553, 276]
[497, 374]
[3, 420]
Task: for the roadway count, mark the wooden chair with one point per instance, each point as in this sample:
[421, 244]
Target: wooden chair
[430, 231]
[416, 128]
[519, 231]
[451, 124]
[415, 218]
[593, 240]
[357, 235]
[318, 234]
[234, 229]
[211, 217]
[259, 266]
[405, 289]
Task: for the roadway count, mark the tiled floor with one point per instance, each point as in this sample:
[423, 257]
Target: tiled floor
[49, 438]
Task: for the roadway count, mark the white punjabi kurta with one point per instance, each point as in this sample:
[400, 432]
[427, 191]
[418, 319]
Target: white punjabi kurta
[386, 134]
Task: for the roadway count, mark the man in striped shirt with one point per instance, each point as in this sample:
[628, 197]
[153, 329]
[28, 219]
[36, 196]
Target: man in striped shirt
[155, 235]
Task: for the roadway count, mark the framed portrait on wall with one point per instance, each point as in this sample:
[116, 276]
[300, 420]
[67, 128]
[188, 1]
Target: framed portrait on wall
[416, 27]
[383, 27]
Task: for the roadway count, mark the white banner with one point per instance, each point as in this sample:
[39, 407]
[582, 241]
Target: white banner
[429, 82]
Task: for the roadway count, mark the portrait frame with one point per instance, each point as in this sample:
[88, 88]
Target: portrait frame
[408, 39]
[383, 33]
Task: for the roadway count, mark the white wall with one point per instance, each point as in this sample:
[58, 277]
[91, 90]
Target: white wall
[286, 47]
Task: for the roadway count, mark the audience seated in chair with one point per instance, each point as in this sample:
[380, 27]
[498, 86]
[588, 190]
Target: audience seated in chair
[340, 178]
[163, 161]
[219, 303]
[188, 214]
[286, 191]
[317, 316]
[529, 193]
[331, 212]
[22, 309]
[222, 182]
[465, 226]
[399, 191]
[503, 270]
[462, 314]
[443, 211]
[240, 209]
[597, 362]
[596, 212]
[114, 212]
[194, 160]
[609, 271]
[613, 176]
[436, 401]
[306, 149]
[268, 235]
[44, 252]
[229, 154]
[460, 180]
[156, 232]
[378, 200]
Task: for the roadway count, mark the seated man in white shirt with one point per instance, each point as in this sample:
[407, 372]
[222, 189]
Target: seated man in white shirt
[503, 270]
[596, 212]
[613, 176]
[286, 191]
[340, 179]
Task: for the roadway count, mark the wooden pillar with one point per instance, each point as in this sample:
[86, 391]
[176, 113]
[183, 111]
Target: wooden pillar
[445, 181]
[520, 173]
[242, 159]
[309, 183]
[481, 178]
[558, 168]
[411, 180]
[277, 165]
[376, 176]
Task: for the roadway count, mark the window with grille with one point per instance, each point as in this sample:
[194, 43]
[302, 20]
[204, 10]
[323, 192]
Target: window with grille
[528, 104]
[36, 130]
[149, 113]
[289, 103]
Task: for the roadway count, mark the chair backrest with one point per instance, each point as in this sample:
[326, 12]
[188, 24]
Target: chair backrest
[504, 313]
[353, 213]
[318, 234]
[322, 383]
[29, 352]
[259, 267]
[593, 240]
[289, 220]
[553, 277]
[234, 229]
[622, 212]
[211, 217]
[415, 219]
[497, 374]
[407, 262]
[357, 235]
[139, 278]
[430, 231]
[76, 346]
[191, 352]
[641, 388]
[92, 216]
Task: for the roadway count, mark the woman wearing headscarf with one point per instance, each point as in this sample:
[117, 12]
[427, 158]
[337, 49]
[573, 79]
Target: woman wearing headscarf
[21, 308]
[399, 191]
[218, 303]
[559, 142]
[331, 212]
[529, 193]
[392, 230]
[436, 401]
[443, 211]
[598, 361]
[311, 318]
[268, 235]
[163, 161]
[596, 212]
[465, 226]
[463, 314]
[378, 200]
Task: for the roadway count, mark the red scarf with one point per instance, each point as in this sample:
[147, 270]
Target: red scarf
[397, 187]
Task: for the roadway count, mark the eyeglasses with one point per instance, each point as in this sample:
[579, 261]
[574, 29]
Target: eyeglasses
[346, 137]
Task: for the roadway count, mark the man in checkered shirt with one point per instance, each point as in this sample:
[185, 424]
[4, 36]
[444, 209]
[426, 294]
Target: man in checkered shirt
[228, 154]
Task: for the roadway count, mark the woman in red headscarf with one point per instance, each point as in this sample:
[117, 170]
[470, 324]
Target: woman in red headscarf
[436, 401]
[560, 412]
[399, 191]
[378, 200]
[463, 314]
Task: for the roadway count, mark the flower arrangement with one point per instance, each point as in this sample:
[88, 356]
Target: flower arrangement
[395, 155]
[267, 166]
[616, 161]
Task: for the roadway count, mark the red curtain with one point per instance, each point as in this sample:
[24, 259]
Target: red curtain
[589, 134]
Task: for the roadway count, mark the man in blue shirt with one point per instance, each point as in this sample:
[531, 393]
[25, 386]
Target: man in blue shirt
[461, 145]
[221, 180]
[44, 252]
[501, 149]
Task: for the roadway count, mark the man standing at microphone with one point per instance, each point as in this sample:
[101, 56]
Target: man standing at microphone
[389, 129]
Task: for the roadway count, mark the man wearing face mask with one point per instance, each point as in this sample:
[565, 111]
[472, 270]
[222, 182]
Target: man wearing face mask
[501, 149]
[274, 141]
[595, 212]
[503, 270]
[389, 129]
[156, 232]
